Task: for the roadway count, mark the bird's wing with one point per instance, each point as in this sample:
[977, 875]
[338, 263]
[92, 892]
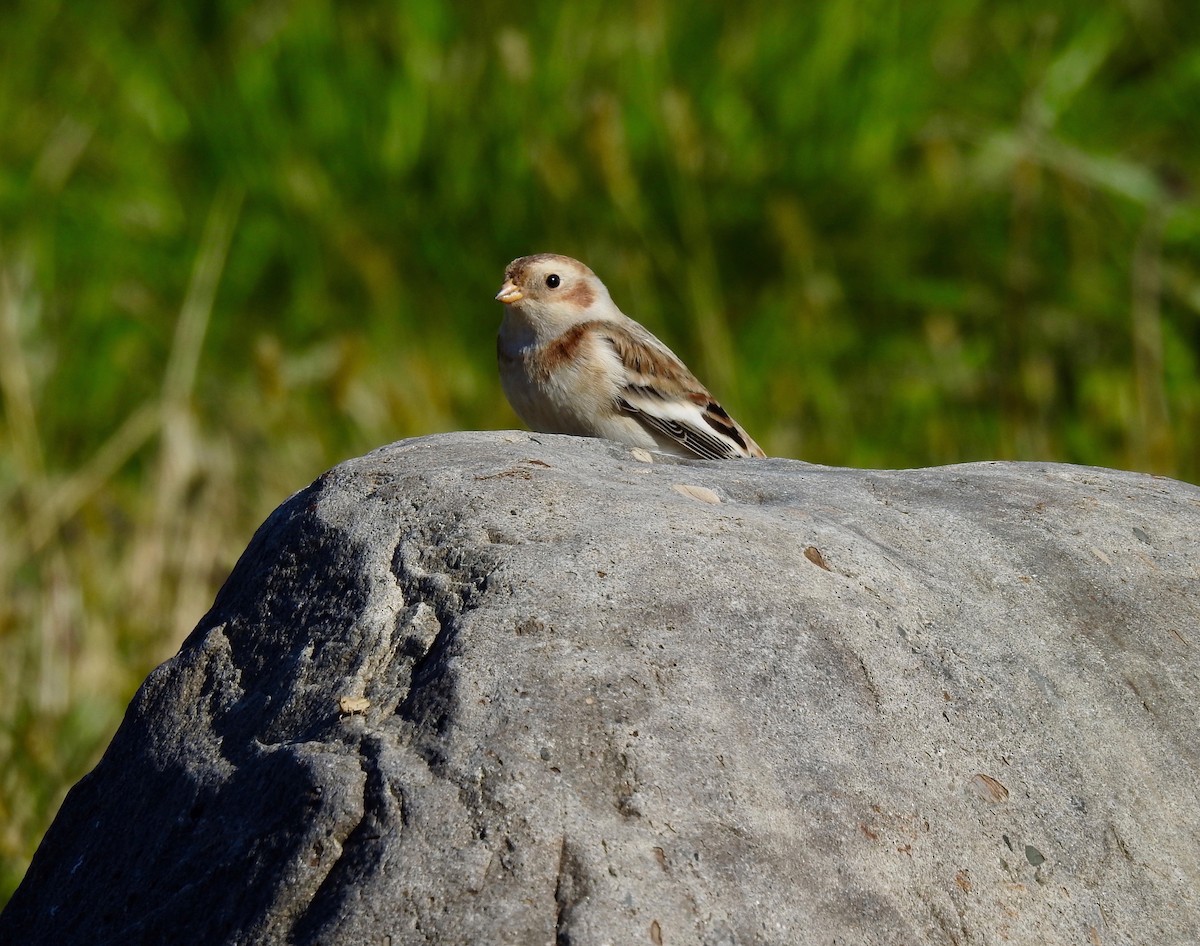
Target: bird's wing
[662, 394]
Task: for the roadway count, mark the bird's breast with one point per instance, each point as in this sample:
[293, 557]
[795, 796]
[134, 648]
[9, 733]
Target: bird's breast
[566, 385]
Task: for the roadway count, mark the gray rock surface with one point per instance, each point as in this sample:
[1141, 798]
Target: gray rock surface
[513, 688]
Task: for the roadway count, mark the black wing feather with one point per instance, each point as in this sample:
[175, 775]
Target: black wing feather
[700, 442]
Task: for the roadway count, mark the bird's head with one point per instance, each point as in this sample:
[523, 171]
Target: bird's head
[553, 291]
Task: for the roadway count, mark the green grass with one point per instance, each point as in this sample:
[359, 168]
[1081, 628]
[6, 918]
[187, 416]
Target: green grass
[242, 241]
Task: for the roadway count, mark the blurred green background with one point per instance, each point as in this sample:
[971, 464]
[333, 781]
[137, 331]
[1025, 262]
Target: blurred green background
[240, 241]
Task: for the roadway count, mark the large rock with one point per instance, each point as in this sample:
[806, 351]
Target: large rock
[497, 688]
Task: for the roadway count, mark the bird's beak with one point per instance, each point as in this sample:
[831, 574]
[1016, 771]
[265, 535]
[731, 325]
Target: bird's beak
[509, 293]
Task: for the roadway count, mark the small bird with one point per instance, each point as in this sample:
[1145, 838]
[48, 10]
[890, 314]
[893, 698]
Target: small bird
[572, 363]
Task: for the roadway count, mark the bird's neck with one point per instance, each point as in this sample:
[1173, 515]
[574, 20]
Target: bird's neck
[519, 333]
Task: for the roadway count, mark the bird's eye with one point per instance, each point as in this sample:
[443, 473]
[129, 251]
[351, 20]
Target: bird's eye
[552, 280]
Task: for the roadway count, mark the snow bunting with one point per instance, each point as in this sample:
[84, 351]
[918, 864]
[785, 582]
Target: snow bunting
[572, 363]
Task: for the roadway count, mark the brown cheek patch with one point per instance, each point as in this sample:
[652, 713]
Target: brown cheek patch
[581, 294]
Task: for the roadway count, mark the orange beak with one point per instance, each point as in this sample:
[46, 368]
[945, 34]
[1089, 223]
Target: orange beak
[509, 293]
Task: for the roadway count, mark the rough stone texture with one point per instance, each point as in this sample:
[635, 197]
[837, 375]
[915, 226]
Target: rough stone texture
[505, 688]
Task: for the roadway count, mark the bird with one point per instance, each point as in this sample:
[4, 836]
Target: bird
[572, 363]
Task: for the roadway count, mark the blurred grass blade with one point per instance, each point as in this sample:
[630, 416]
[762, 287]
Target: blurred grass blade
[197, 306]
[180, 453]
[16, 309]
[67, 499]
